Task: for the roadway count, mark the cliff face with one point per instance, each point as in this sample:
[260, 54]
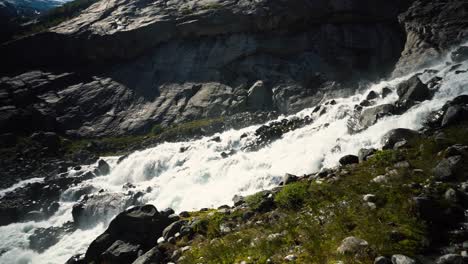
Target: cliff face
[124, 66]
[432, 27]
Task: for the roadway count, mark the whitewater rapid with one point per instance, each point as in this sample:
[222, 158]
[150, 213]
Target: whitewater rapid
[199, 177]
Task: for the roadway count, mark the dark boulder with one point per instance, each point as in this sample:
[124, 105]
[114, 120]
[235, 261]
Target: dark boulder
[382, 260]
[411, 92]
[397, 135]
[448, 168]
[386, 92]
[103, 168]
[173, 228]
[349, 159]
[451, 258]
[120, 252]
[454, 115]
[138, 226]
[152, 256]
[371, 95]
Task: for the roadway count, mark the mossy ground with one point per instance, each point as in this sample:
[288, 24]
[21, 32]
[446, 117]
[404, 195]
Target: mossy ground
[313, 217]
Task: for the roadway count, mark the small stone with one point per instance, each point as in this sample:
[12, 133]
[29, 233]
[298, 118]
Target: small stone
[451, 195]
[372, 206]
[290, 258]
[380, 179]
[402, 259]
[161, 240]
[352, 245]
[402, 164]
[382, 260]
[369, 198]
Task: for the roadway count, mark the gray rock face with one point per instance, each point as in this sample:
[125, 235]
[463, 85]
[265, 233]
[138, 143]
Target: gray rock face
[432, 28]
[460, 54]
[167, 62]
[150, 257]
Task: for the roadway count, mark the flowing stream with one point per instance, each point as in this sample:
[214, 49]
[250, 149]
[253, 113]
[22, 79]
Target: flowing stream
[199, 177]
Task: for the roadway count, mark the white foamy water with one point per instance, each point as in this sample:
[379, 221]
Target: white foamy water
[199, 177]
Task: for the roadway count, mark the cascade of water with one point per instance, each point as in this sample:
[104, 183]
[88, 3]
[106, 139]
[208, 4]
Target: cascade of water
[200, 177]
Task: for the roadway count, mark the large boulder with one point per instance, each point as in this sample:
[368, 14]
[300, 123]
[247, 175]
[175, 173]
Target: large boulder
[152, 256]
[349, 159]
[402, 259]
[369, 117]
[448, 168]
[412, 91]
[397, 135]
[136, 228]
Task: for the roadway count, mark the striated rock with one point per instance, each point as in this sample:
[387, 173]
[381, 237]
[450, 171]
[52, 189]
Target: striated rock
[199, 63]
[432, 29]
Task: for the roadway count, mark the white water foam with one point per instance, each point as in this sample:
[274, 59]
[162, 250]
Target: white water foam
[200, 177]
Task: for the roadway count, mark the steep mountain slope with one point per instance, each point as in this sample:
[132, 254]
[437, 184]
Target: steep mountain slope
[135, 64]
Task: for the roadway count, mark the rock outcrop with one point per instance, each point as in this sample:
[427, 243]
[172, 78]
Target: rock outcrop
[432, 28]
[124, 66]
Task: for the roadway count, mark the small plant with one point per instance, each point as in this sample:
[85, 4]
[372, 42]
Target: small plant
[292, 196]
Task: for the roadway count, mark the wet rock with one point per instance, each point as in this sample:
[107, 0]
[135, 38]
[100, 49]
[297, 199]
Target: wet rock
[402, 259]
[103, 168]
[460, 54]
[76, 259]
[412, 91]
[364, 154]
[152, 256]
[447, 168]
[289, 178]
[396, 135]
[138, 226]
[353, 245]
[386, 92]
[349, 159]
[44, 238]
[372, 95]
[100, 207]
[370, 116]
